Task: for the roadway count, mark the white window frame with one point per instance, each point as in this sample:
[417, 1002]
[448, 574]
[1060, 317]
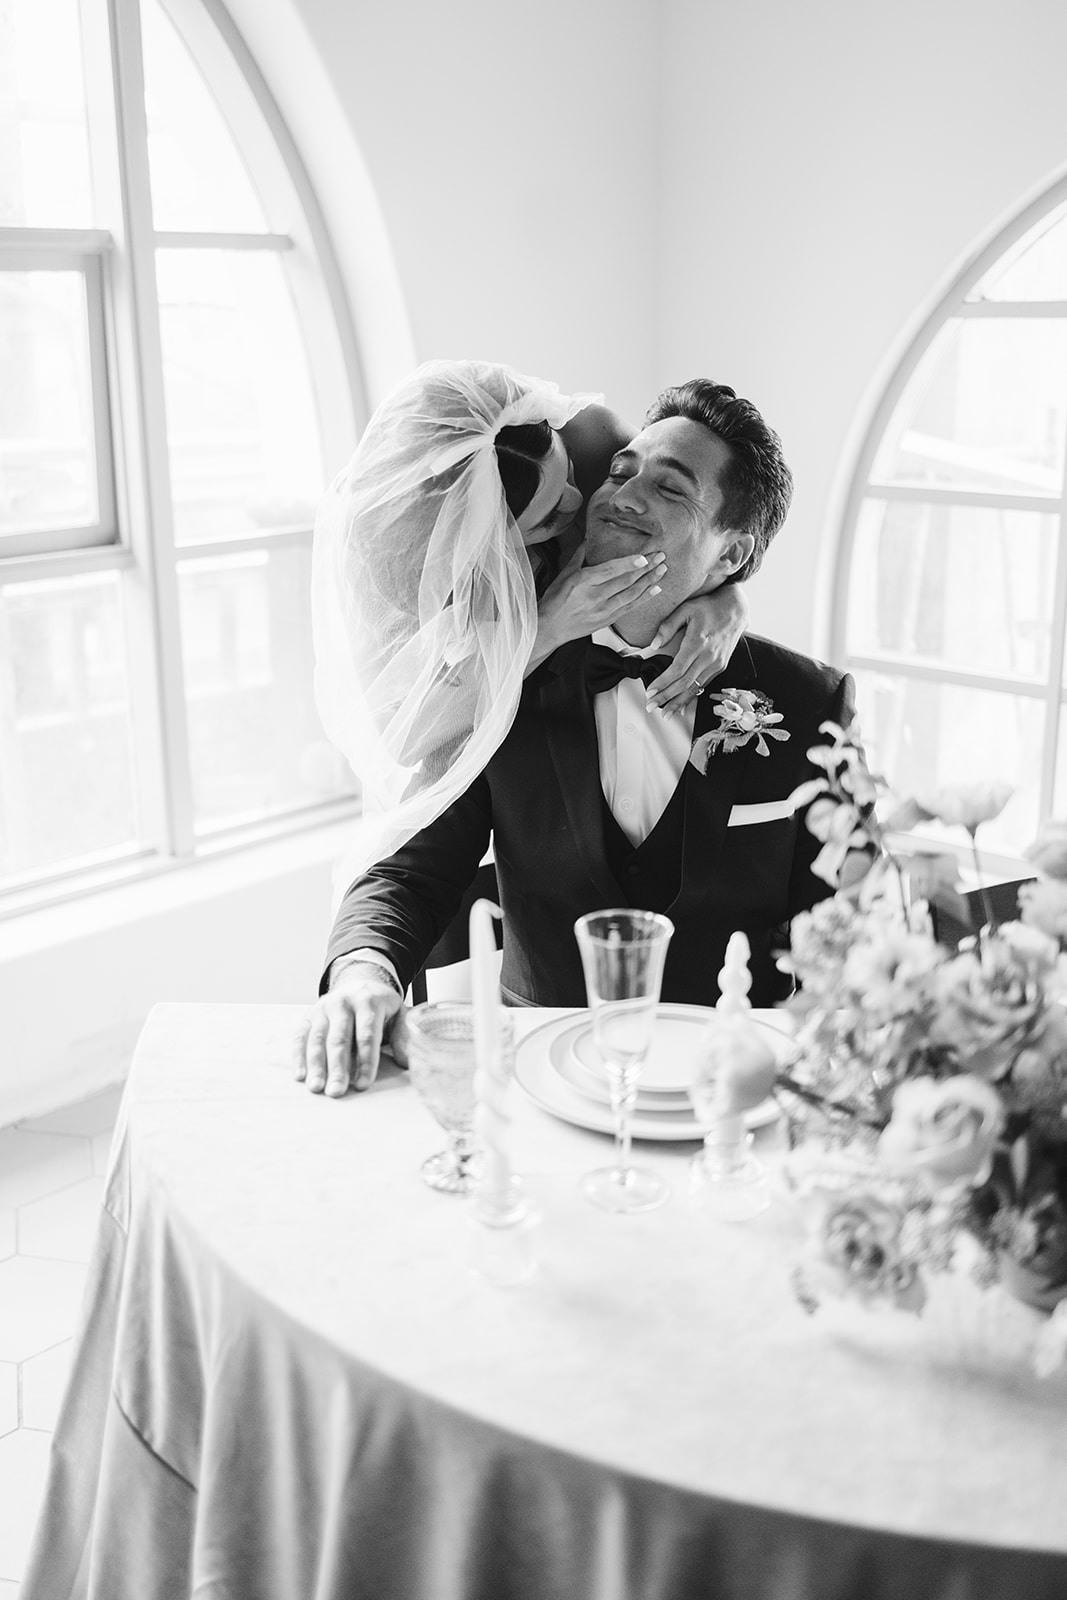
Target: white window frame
[1050, 689]
[85, 253]
[135, 536]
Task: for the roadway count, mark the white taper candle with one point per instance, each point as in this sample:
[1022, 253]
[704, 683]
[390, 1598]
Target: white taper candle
[490, 1079]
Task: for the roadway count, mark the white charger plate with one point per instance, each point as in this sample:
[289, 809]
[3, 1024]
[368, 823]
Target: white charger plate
[593, 1084]
[540, 1068]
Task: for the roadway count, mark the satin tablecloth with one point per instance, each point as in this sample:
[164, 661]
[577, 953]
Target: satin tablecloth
[289, 1386]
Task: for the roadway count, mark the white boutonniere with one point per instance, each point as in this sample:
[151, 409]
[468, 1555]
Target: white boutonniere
[743, 714]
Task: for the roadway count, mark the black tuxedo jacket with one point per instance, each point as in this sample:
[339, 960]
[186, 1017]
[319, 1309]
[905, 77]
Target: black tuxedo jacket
[745, 861]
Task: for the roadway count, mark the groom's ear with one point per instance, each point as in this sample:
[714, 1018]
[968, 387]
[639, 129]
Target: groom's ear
[734, 553]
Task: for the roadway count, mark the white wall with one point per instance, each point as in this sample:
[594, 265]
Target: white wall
[513, 151]
[78, 980]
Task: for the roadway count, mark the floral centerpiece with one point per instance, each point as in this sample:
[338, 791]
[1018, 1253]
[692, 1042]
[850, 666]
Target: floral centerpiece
[935, 1079]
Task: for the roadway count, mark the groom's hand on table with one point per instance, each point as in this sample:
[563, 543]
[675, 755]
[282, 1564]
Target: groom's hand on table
[340, 1044]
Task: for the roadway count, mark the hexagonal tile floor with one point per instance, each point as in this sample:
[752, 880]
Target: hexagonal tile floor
[51, 1181]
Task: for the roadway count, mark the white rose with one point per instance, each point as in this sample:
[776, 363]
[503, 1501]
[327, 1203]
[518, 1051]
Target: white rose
[943, 1131]
[966, 805]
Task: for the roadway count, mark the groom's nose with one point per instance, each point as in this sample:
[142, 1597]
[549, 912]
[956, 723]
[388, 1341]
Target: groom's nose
[630, 495]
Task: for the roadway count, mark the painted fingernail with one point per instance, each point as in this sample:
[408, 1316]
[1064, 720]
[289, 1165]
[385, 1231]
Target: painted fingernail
[655, 589]
[640, 561]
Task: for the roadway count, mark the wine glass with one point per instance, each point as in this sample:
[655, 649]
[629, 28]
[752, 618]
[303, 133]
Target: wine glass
[622, 955]
[440, 1039]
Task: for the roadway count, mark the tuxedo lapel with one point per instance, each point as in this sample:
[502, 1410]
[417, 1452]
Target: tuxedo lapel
[709, 796]
[570, 726]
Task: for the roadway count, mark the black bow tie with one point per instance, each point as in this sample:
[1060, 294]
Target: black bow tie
[605, 667]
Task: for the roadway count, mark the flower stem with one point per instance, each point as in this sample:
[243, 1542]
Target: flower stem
[905, 889]
[842, 1107]
[988, 916]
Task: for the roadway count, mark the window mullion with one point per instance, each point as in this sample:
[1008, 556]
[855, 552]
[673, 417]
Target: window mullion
[115, 94]
[103, 449]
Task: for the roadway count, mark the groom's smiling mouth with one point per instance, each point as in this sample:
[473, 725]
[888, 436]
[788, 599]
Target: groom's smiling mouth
[610, 520]
[615, 535]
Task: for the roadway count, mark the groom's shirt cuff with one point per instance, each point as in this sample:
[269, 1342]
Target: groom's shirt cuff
[374, 958]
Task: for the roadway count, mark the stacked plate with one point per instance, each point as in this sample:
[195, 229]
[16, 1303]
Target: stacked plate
[559, 1066]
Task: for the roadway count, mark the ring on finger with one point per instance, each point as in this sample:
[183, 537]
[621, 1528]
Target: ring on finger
[696, 686]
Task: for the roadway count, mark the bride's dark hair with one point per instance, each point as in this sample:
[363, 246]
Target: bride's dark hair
[518, 451]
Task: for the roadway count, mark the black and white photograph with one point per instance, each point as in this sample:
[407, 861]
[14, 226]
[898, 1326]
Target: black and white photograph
[533, 800]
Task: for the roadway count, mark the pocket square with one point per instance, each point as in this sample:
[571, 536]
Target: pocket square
[765, 811]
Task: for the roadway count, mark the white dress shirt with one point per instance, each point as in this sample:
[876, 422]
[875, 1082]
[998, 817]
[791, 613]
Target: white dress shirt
[642, 752]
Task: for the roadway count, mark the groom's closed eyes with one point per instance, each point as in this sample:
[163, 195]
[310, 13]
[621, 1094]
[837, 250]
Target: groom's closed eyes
[625, 463]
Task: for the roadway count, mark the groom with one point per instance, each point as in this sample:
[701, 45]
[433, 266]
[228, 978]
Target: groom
[592, 800]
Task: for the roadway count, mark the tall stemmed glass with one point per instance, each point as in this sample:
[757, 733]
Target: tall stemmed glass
[440, 1039]
[622, 955]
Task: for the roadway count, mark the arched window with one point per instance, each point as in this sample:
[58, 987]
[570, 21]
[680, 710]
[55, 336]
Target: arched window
[951, 600]
[177, 368]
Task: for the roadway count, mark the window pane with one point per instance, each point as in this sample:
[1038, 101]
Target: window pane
[928, 735]
[199, 182]
[1035, 269]
[241, 421]
[66, 783]
[959, 585]
[46, 449]
[44, 150]
[1059, 797]
[256, 743]
[985, 410]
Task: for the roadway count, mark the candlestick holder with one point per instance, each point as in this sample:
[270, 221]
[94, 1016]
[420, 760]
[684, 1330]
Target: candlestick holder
[725, 1178]
[736, 1071]
[503, 1243]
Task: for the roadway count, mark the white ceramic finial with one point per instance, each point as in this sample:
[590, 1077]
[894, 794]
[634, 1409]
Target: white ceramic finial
[735, 980]
[738, 1072]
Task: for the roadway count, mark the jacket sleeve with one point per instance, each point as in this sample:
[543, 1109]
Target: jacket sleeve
[402, 905]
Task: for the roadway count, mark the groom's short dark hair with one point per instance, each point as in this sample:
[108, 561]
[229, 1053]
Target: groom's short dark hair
[757, 485]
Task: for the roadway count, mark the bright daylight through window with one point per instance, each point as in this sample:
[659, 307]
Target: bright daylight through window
[177, 380]
[951, 603]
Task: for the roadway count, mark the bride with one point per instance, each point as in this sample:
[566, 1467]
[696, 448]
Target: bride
[447, 567]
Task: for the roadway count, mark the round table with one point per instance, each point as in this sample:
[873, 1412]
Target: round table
[289, 1385]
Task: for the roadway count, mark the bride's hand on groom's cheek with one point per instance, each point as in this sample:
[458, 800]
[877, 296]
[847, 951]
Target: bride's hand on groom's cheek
[340, 1044]
[583, 599]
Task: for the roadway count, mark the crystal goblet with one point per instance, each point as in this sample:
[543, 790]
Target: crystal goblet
[440, 1039]
[622, 954]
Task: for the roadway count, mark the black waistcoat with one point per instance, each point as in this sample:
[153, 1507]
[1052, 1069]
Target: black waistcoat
[649, 875]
